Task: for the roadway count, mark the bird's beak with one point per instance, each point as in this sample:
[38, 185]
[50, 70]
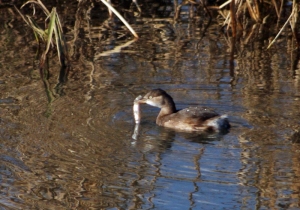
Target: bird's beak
[140, 100]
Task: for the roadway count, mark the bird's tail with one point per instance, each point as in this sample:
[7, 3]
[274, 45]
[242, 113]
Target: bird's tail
[219, 123]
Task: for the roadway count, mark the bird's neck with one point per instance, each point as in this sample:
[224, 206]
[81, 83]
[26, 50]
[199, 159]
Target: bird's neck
[167, 109]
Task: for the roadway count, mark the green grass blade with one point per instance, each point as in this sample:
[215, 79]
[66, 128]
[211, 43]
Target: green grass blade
[50, 29]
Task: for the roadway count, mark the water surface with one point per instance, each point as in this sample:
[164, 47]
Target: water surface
[70, 146]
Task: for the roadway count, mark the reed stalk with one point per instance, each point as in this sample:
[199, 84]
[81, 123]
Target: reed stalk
[46, 35]
[120, 17]
[253, 11]
[292, 20]
[233, 18]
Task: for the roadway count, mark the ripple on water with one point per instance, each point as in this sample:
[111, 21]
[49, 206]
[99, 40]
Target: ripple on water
[77, 140]
[192, 174]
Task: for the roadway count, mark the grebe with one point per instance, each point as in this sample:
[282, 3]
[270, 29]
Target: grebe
[189, 119]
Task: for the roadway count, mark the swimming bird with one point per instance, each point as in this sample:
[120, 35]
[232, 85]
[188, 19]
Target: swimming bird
[189, 119]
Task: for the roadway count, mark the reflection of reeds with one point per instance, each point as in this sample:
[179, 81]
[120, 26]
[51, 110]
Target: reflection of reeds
[53, 36]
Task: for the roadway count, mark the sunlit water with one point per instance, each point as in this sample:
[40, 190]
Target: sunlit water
[78, 151]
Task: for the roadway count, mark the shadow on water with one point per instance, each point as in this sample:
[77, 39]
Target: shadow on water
[82, 155]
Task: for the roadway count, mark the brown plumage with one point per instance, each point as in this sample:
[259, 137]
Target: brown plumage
[189, 119]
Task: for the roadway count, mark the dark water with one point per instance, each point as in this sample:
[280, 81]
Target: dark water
[70, 146]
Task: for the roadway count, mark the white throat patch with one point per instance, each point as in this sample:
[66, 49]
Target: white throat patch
[151, 103]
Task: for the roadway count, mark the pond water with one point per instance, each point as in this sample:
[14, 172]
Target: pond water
[71, 145]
